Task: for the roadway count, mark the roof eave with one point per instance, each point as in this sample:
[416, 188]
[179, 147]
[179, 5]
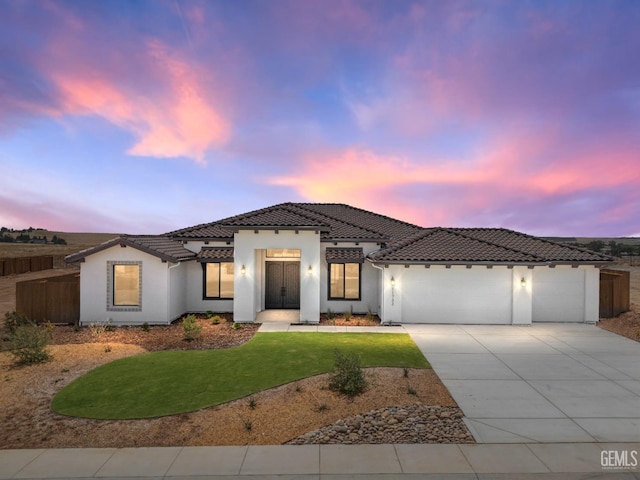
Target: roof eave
[485, 263]
[124, 241]
[317, 228]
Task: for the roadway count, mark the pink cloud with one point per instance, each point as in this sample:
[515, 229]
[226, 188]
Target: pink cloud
[178, 121]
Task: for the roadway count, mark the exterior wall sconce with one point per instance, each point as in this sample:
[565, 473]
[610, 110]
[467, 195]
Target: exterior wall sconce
[243, 270]
[523, 282]
[309, 270]
[393, 282]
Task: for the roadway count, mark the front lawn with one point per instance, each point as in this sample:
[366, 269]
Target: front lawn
[173, 382]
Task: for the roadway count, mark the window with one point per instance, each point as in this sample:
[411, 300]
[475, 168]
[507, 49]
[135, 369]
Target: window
[344, 281]
[218, 279]
[283, 253]
[124, 286]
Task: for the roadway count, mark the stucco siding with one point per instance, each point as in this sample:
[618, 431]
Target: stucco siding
[195, 301]
[95, 292]
[177, 290]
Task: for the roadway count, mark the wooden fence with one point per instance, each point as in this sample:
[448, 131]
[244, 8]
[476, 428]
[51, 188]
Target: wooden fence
[56, 299]
[16, 266]
[614, 292]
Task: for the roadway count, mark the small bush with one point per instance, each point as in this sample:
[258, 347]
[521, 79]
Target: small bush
[13, 320]
[98, 329]
[145, 327]
[347, 315]
[107, 348]
[252, 403]
[236, 326]
[369, 316]
[191, 329]
[29, 344]
[248, 425]
[348, 376]
[215, 320]
[323, 407]
[209, 314]
[330, 314]
[405, 372]
[411, 390]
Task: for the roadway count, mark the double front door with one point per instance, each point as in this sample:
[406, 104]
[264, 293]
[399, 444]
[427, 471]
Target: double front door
[282, 285]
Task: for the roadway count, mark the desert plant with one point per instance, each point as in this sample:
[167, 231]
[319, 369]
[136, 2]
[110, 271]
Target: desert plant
[248, 425]
[330, 314]
[13, 320]
[298, 388]
[97, 329]
[348, 376]
[236, 326]
[29, 344]
[323, 407]
[107, 348]
[253, 403]
[405, 372]
[215, 320]
[209, 314]
[347, 315]
[411, 390]
[369, 315]
[145, 327]
[191, 329]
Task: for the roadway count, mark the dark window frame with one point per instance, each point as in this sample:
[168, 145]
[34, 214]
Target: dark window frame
[204, 282]
[344, 279]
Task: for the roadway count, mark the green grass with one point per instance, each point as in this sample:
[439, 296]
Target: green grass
[172, 382]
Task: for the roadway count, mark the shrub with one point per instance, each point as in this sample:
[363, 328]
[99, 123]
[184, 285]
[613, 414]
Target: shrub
[13, 320]
[97, 329]
[369, 316]
[191, 329]
[29, 344]
[323, 407]
[330, 314]
[252, 403]
[348, 376]
[209, 314]
[145, 327]
[411, 390]
[347, 315]
[215, 320]
[236, 326]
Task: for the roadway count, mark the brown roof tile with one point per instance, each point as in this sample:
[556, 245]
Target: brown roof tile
[159, 246]
[344, 255]
[217, 254]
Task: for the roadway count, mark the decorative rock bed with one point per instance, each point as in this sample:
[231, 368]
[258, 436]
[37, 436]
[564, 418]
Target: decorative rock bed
[407, 424]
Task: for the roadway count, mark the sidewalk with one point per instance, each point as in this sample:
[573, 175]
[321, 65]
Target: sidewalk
[529, 461]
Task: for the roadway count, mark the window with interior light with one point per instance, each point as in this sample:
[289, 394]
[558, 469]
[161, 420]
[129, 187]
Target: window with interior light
[218, 280]
[124, 286]
[344, 281]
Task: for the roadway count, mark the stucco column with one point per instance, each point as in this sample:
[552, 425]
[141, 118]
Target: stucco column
[392, 295]
[522, 286]
[591, 294]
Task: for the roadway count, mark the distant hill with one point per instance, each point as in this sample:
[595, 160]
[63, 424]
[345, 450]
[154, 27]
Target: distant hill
[75, 242]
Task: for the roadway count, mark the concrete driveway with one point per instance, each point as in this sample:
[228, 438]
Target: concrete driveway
[543, 383]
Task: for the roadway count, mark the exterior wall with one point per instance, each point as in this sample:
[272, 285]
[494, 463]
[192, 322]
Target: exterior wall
[477, 295]
[563, 294]
[522, 296]
[94, 297]
[248, 288]
[369, 283]
[177, 292]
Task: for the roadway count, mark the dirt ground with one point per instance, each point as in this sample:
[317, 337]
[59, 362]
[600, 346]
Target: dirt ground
[280, 414]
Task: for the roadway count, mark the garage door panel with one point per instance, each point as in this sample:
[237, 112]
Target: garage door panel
[470, 296]
[558, 295]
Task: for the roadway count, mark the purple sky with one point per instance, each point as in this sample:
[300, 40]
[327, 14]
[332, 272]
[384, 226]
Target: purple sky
[147, 116]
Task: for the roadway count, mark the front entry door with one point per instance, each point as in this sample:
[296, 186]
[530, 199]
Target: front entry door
[283, 285]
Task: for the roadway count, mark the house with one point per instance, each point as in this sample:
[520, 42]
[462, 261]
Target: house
[316, 257]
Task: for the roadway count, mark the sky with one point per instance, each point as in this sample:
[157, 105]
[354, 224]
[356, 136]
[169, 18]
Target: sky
[149, 116]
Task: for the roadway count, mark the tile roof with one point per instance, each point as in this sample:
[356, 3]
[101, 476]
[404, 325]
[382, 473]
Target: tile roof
[344, 255]
[217, 254]
[336, 221]
[160, 246]
[480, 245]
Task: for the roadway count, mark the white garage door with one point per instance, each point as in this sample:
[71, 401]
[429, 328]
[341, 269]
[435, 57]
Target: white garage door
[558, 295]
[457, 295]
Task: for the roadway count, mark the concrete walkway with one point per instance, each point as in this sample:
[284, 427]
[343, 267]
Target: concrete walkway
[543, 383]
[515, 461]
